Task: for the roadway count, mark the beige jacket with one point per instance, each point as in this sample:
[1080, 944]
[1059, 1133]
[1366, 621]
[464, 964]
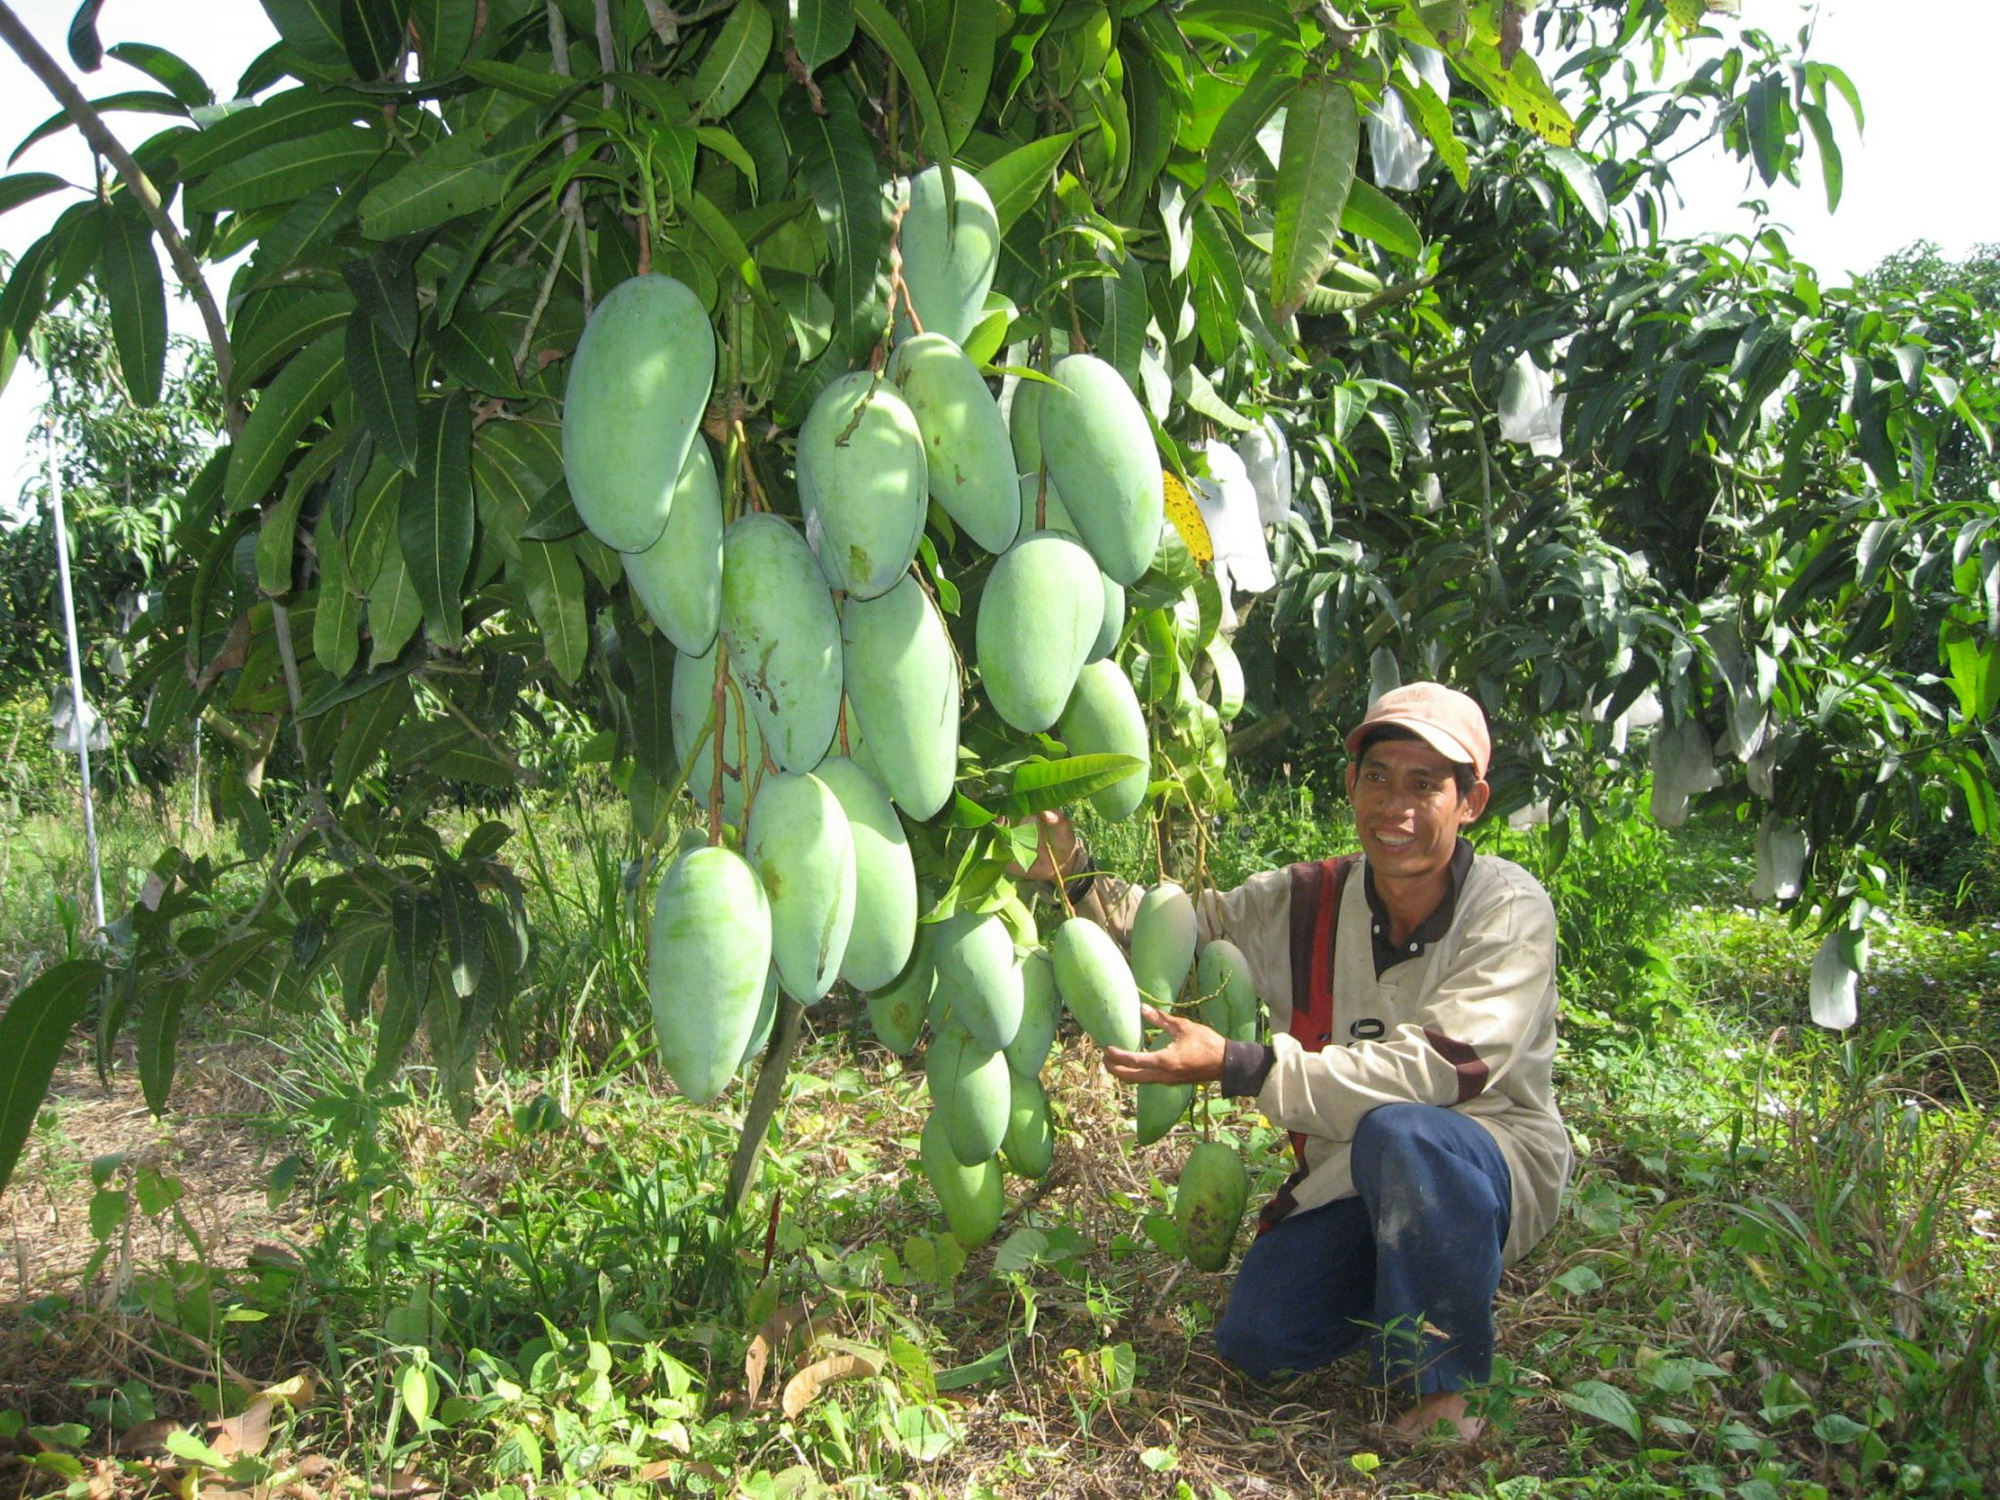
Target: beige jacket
[1469, 1024]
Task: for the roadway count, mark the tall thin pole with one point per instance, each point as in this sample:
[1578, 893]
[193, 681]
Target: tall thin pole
[79, 709]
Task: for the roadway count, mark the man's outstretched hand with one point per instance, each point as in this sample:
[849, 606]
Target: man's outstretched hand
[1056, 851]
[1193, 1053]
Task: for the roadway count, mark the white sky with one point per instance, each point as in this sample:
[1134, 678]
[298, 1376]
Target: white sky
[1923, 170]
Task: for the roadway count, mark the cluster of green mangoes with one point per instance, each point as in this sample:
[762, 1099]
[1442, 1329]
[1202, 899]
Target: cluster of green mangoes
[816, 691]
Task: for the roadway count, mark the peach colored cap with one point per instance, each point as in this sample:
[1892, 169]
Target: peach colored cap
[1444, 718]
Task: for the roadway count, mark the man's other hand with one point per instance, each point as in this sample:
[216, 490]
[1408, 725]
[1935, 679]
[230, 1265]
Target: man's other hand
[1193, 1053]
[1056, 851]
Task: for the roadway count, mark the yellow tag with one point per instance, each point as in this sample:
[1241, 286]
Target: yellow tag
[1186, 516]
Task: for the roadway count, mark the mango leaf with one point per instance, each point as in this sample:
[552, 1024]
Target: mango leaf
[385, 390]
[311, 28]
[372, 32]
[1374, 215]
[288, 170]
[425, 194]
[1269, 88]
[444, 33]
[415, 930]
[337, 609]
[25, 187]
[33, 1030]
[651, 662]
[1831, 169]
[300, 393]
[128, 273]
[375, 716]
[1433, 117]
[1577, 172]
[464, 931]
[553, 582]
[1042, 784]
[1315, 176]
[1015, 181]
[884, 31]
[86, 49]
[971, 29]
[140, 101]
[821, 30]
[385, 289]
[434, 523]
[733, 61]
[171, 72]
[838, 168]
[291, 115]
[1121, 330]
[274, 325]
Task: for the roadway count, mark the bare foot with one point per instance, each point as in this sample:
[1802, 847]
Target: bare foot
[1439, 1407]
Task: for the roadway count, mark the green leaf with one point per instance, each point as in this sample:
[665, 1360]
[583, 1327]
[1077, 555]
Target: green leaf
[141, 101]
[1606, 1403]
[300, 393]
[1764, 119]
[86, 48]
[821, 30]
[394, 609]
[1831, 169]
[128, 273]
[311, 28]
[425, 194]
[444, 33]
[414, 933]
[1269, 88]
[733, 61]
[337, 609]
[288, 170]
[291, 115]
[385, 289]
[465, 934]
[1315, 176]
[1121, 331]
[372, 32]
[537, 85]
[839, 171]
[553, 582]
[277, 538]
[1373, 215]
[172, 73]
[971, 30]
[33, 1030]
[883, 30]
[434, 523]
[385, 389]
[1576, 170]
[275, 324]
[1017, 180]
[1433, 117]
[25, 187]
[374, 718]
[1042, 784]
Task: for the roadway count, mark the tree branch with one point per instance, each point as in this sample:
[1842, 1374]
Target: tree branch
[106, 145]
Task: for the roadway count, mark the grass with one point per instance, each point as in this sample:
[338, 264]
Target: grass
[1778, 1276]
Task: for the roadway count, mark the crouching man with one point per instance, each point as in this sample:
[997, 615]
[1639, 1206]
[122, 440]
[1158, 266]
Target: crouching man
[1412, 989]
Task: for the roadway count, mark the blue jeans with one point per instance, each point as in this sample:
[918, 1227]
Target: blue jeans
[1408, 1268]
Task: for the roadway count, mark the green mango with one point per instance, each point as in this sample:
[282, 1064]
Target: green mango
[973, 1198]
[679, 578]
[767, 1016]
[800, 844]
[711, 949]
[1103, 717]
[783, 634]
[1038, 618]
[1209, 1203]
[1096, 984]
[1030, 1142]
[896, 1010]
[978, 978]
[861, 470]
[948, 259]
[1040, 1010]
[902, 688]
[1099, 449]
[1229, 1006]
[1114, 620]
[885, 878]
[968, 458]
[1159, 1108]
[1162, 943]
[968, 1086]
[638, 385]
[689, 708]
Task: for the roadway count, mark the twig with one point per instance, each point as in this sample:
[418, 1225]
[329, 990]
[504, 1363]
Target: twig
[572, 201]
[542, 298]
[764, 1102]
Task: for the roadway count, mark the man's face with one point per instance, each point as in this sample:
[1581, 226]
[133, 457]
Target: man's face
[1407, 808]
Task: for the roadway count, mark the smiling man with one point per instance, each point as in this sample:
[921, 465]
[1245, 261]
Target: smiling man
[1413, 997]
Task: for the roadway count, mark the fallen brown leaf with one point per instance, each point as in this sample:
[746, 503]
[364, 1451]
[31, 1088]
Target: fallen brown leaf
[804, 1388]
[146, 1439]
[406, 1484]
[777, 1330]
[246, 1432]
